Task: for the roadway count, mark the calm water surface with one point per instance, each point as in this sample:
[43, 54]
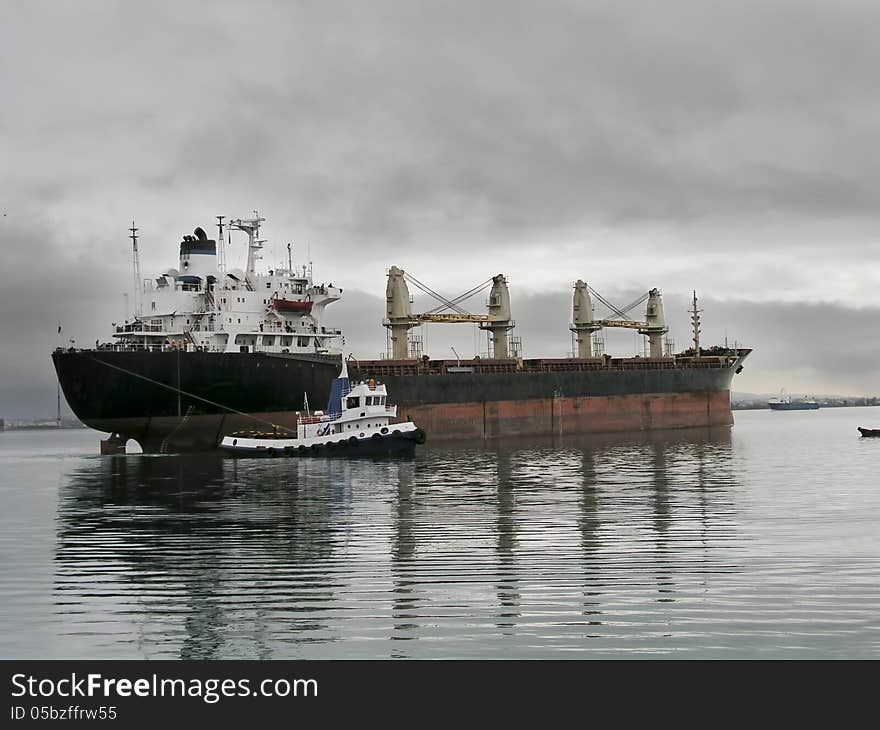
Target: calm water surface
[762, 541]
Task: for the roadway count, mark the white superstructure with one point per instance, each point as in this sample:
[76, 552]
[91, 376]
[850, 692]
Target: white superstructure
[199, 306]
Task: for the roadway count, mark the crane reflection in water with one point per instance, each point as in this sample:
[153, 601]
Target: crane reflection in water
[511, 548]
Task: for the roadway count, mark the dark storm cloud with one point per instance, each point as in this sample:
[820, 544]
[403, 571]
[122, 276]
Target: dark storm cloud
[47, 282]
[718, 145]
[510, 117]
[500, 116]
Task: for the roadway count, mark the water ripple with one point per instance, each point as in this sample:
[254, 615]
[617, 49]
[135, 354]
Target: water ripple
[759, 543]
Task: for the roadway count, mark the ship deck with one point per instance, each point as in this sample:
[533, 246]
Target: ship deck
[718, 358]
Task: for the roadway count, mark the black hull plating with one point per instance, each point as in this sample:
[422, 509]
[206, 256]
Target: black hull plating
[486, 388]
[136, 394]
[190, 398]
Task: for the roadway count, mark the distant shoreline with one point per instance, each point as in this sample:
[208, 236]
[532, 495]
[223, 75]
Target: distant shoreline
[46, 427]
[766, 407]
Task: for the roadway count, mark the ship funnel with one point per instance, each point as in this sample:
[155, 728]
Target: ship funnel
[583, 324]
[656, 323]
[398, 313]
[198, 258]
[500, 322]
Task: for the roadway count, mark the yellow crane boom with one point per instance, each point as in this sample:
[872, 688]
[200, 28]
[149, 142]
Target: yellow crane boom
[624, 323]
[453, 317]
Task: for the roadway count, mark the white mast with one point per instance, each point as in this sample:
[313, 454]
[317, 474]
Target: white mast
[251, 226]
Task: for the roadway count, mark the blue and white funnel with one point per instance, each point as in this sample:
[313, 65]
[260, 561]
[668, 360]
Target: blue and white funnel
[338, 390]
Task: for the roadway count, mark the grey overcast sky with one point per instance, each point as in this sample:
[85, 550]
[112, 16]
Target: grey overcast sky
[722, 146]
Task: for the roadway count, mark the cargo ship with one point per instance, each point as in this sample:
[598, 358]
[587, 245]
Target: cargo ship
[591, 392]
[210, 352]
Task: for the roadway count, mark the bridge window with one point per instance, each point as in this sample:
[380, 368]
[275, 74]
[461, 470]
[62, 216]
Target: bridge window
[353, 402]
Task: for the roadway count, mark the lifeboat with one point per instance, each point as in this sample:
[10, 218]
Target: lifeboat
[290, 305]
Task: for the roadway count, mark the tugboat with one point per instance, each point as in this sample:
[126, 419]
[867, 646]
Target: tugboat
[357, 423]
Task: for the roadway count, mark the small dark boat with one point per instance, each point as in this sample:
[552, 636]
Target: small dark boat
[869, 431]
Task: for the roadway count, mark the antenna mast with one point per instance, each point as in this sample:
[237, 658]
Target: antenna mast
[695, 321]
[136, 265]
[221, 251]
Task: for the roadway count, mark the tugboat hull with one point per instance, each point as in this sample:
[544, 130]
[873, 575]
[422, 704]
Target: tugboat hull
[382, 446]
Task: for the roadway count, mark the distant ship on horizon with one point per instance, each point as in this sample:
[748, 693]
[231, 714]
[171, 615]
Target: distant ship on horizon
[786, 403]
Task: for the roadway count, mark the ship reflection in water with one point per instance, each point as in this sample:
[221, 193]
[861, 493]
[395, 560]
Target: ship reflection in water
[507, 549]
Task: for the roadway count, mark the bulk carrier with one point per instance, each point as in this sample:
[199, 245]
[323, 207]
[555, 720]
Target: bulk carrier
[211, 352]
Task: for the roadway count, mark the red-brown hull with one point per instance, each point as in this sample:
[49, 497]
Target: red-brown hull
[596, 414]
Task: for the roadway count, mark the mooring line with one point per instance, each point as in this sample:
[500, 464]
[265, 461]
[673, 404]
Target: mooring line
[189, 395]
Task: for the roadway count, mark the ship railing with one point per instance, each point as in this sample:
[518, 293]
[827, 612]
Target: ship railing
[637, 363]
[309, 419]
[138, 327]
[387, 367]
[155, 347]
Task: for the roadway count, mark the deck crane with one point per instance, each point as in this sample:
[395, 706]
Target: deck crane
[583, 323]
[400, 318]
